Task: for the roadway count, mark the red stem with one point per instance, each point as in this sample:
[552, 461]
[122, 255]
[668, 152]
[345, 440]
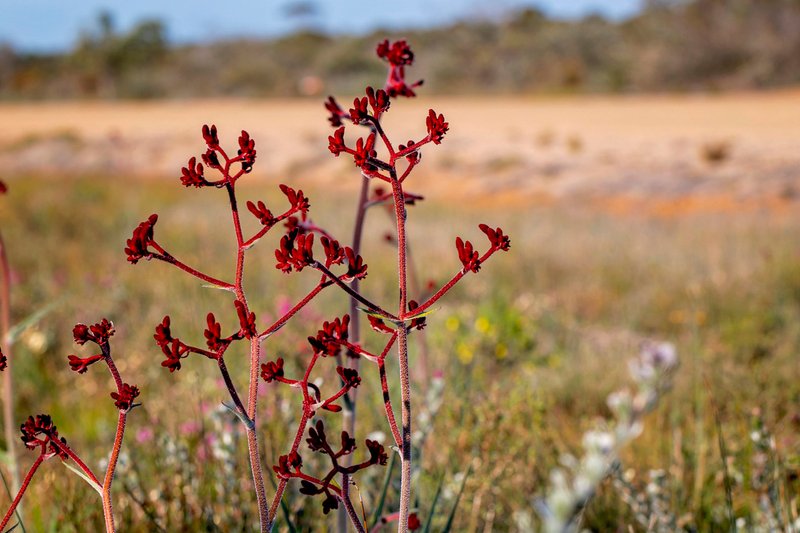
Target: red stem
[22, 489]
[166, 257]
[402, 354]
[108, 512]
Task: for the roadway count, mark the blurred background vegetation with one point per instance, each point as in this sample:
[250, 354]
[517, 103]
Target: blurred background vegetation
[671, 45]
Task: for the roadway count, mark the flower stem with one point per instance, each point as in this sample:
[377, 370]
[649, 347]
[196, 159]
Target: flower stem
[402, 354]
[108, 512]
[22, 490]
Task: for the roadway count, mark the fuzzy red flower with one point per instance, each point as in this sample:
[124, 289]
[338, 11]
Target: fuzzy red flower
[297, 199]
[288, 463]
[349, 376]
[39, 432]
[140, 240]
[377, 454]
[336, 142]
[213, 334]
[247, 151]
[81, 364]
[396, 53]
[98, 333]
[163, 333]
[3, 361]
[378, 100]
[336, 112]
[174, 350]
[359, 113]
[363, 152]
[356, 268]
[499, 240]
[270, 371]
[413, 522]
[334, 253]
[261, 212]
[436, 125]
[192, 174]
[247, 321]
[331, 336]
[210, 136]
[468, 256]
[123, 398]
[3, 187]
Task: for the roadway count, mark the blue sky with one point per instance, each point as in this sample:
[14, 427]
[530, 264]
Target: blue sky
[49, 25]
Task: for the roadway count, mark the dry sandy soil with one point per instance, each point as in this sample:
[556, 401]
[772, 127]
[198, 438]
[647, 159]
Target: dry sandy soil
[667, 153]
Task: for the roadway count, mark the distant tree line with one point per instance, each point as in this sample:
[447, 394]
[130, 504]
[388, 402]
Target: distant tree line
[672, 45]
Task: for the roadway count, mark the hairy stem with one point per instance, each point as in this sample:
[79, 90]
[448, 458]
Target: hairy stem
[349, 414]
[108, 512]
[402, 354]
[22, 489]
[348, 505]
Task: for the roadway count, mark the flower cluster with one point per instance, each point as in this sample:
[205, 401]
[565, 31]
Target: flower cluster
[290, 466]
[40, 432]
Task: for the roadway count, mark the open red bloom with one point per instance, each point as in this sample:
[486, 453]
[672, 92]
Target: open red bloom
[270, 371]
[123, 398]
[396, 53]
[377, 454]
[413, 522]
[288, 463]
[356, 268]
[331, 336]
[38, 432]
[140, 240]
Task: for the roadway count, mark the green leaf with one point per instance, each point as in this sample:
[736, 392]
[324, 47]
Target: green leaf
[83, 475]
[17, 329]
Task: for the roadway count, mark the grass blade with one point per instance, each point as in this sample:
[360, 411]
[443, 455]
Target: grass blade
[452, 516]
[376, 515]
[432, 510]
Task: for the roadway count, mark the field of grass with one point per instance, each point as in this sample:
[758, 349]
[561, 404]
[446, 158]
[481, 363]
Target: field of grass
[526, 352]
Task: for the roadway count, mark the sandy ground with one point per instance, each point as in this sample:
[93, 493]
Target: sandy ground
[725, 152]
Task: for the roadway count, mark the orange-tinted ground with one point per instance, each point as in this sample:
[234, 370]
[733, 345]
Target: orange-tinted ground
[662, 154]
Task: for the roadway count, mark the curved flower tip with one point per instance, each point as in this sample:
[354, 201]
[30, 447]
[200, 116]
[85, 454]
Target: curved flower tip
[497, 238]
[142, 237]
[81, 364]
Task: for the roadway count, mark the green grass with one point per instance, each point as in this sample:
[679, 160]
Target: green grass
[529, 349]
